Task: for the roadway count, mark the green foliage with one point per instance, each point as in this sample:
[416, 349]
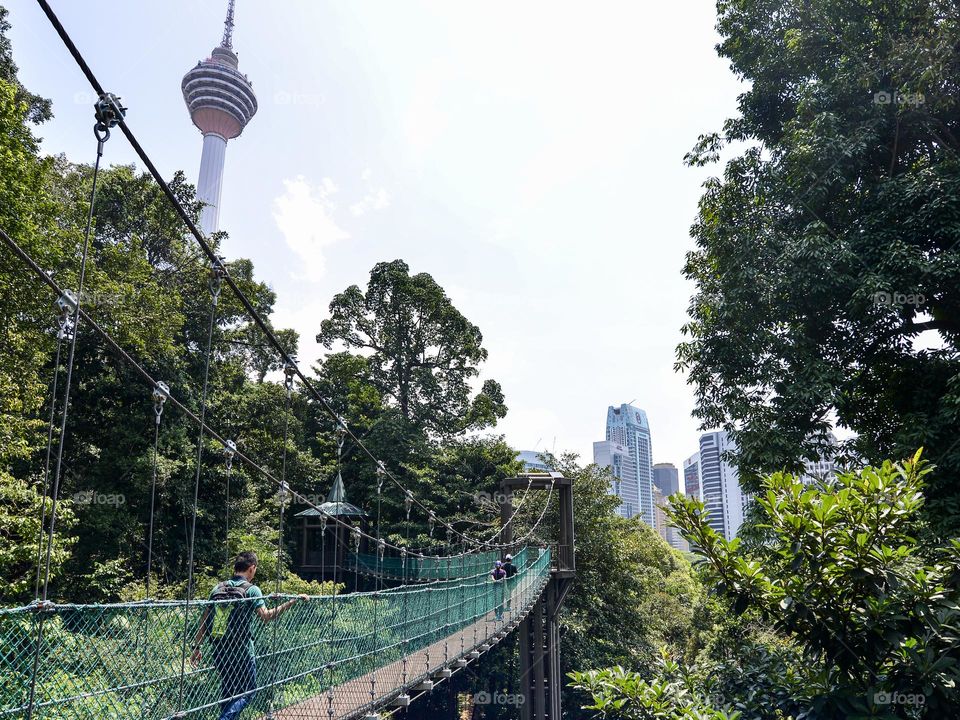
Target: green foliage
[27, 212]
[619, 693]
[422, 350]
[38, 109]
[843, 575]
[633, 593]
[147, 285]
[20, 519]
[827, 265]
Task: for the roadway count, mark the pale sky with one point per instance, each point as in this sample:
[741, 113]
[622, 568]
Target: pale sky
[528, 155]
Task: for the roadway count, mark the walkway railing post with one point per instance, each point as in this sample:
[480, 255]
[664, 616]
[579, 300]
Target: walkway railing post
[406, 621]
[446, 629]
[430, 605]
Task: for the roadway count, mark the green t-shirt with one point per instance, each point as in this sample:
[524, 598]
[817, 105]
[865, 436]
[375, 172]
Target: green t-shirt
[240, 636]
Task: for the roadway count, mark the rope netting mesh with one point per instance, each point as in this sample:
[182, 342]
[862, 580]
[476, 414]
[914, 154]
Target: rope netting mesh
[421, 569]
[123, 661]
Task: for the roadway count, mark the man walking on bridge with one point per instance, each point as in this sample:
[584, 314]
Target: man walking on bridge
[227, 624]
[509, 571]
[498, 576]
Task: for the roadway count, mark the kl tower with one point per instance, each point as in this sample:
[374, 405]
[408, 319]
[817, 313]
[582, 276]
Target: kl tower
[221, 102]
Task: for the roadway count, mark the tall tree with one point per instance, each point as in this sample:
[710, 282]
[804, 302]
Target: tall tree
[38, 108]
[827, 265]
[28, 213]
[422, 351]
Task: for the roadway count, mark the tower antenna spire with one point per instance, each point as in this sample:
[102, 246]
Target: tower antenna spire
[227, 41]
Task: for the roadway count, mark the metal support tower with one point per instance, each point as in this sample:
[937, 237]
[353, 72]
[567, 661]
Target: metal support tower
[540, 679]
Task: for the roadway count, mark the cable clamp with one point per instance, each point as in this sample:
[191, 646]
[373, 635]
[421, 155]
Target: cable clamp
[43, 606]
[67, 303]
[160, 394]
[217, 273]
[108, 112]
[289, 372]
[229, 450]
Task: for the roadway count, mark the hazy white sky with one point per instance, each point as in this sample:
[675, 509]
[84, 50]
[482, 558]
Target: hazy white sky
[527, 155]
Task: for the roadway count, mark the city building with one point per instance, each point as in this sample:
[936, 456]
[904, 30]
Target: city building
[823, 468]
[627, 426]
[660, 517]
[616, 457]
[666, 481]
[720, 484]
[532, 462]
[667, 478]
[221, 102]
[691, 477]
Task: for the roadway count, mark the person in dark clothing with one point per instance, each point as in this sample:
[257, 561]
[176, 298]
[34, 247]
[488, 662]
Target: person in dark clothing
[227, 624]
[509, 570]
[498, 575]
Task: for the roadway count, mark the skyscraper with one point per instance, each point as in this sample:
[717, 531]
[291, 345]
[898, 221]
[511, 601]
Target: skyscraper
[666, 482]
[616, 457]
[660, 517]
[691, 477]
[221, 102]
[722, 495]
[627, 426]
[666, 477]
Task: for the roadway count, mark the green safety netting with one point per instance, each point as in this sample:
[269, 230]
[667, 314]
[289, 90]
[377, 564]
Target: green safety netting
[420, 569]
[123, 661]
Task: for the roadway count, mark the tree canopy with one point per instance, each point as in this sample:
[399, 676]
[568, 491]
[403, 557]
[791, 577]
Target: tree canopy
[827, 265]
[421, 351]
[842, 614]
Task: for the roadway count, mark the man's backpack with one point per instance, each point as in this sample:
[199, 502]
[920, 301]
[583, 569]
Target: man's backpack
[223, 618]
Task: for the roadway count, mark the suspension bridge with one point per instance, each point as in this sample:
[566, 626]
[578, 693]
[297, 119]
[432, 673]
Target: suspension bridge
[341, 655]
[335, 656]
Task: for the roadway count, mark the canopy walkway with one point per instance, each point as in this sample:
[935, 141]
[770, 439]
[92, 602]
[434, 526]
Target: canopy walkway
[338, 656]
[334, 656]
[425, 569]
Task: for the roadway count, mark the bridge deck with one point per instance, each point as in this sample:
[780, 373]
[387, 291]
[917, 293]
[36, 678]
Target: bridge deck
[380, 687]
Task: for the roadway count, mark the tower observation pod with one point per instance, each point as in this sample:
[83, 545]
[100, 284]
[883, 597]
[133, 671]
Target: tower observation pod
[221, 102]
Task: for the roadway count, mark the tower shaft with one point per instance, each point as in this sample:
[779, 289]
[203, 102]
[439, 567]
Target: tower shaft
[210, 183]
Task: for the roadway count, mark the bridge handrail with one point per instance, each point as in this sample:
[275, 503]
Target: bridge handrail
[122, 661]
